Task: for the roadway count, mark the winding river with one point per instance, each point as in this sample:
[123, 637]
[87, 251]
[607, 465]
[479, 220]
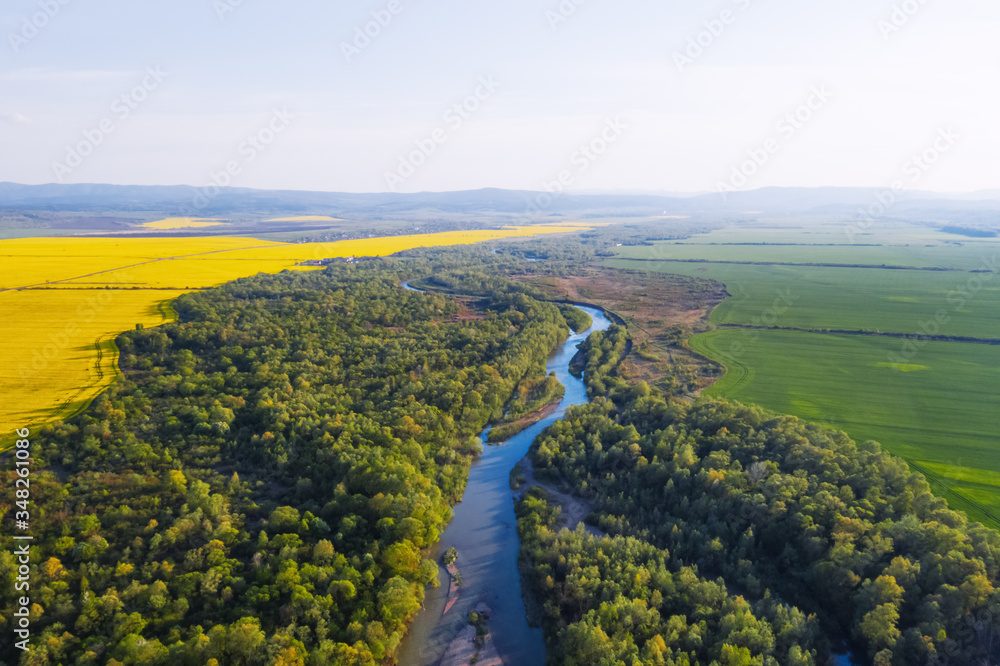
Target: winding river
[484, 530]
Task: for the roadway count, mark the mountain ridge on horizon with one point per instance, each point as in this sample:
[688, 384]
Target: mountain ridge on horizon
[531, 205]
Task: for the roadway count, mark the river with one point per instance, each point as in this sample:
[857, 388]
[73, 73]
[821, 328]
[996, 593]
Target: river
[484, 530]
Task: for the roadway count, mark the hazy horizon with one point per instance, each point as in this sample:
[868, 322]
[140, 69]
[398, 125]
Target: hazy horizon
[987, 193]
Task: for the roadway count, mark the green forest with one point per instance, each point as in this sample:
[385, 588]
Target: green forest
[734, 537]
[263, 484]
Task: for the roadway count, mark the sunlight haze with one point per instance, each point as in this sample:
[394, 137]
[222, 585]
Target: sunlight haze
[898, 73]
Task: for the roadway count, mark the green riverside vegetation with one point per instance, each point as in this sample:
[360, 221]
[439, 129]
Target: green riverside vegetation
[533, 394]
[577, 319]
[736, 537]
[262, 486]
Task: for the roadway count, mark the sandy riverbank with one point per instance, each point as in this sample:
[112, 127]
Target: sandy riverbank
[466, 650]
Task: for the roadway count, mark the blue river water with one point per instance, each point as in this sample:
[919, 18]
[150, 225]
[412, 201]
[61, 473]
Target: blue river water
[484, 530]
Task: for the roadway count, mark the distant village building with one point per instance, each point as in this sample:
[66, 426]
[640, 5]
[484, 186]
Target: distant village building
[332, 260]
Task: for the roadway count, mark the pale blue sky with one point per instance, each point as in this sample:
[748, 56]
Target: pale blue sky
[558, 87]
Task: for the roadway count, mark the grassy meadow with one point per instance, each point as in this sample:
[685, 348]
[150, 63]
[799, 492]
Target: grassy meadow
[64, 301]
[937, 409]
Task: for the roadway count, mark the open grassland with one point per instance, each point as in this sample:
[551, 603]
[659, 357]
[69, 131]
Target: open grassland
[660, 310]
[939, 412]
[64, 300]
[848, 299]
[32, 233]
[182, 223]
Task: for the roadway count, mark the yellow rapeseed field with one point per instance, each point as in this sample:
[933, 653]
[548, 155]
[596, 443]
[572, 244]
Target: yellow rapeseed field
[64, 300]
[182, 223]
[60, 352]
[381, 247]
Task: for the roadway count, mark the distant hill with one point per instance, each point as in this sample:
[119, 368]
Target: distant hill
[191, 201]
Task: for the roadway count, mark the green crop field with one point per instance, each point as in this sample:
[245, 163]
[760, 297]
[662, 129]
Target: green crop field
[939, 413]
[836, 231]
[934, 405]
[901, 255]
[967, 256]
[847, 299]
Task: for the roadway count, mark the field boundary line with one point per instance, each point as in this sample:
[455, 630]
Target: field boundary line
[882, 267]
[863, 333]
[944, 489]
[141, 263]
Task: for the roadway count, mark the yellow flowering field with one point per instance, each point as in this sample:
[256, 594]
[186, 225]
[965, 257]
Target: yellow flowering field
[383, 247]
[64, 300]
[59, 352]
[30, 262]
[182, 223]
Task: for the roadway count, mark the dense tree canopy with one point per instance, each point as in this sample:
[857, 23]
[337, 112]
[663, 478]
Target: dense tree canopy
[806, 538]
[262, 484]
